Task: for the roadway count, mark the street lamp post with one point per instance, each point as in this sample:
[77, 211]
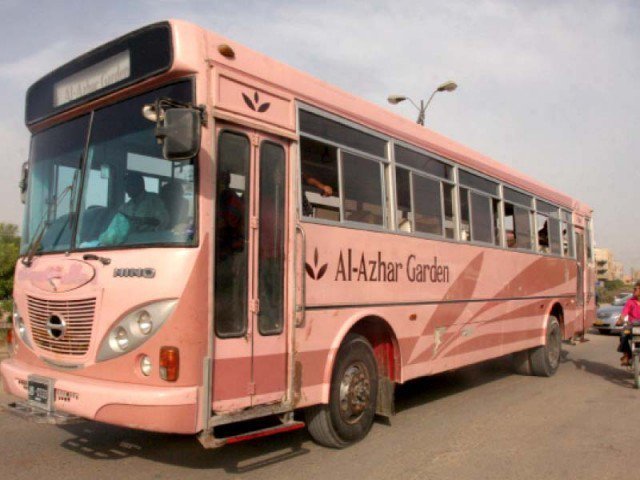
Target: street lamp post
[449, 86]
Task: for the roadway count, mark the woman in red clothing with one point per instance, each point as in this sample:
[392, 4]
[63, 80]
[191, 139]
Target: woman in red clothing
[632, 311]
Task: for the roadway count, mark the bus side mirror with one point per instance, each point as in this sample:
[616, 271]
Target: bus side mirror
[24, 182]
[179, 132]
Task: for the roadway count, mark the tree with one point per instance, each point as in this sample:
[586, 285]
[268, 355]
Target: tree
[9, 252]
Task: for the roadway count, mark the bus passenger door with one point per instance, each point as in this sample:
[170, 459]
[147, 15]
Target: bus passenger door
[268, 296]
[580, 290]
[249, 359]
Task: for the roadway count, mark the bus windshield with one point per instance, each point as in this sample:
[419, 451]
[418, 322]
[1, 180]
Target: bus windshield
[100, 181]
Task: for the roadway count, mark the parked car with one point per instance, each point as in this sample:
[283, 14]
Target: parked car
[621, 297]
[606, 317]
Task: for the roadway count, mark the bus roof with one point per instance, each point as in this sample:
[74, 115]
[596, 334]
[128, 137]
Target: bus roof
[193, 44]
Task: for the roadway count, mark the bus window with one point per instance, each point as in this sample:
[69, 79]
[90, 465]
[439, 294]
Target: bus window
[567, 235]
[522, 232]
[428, 205]
[362, 179]
[554, 236]
[449, 217]
[481, 223]
[231, 235]
[542, 224]
[403, 192]
[495, 203]
[465, 223]
[319, 166]
[271, 244]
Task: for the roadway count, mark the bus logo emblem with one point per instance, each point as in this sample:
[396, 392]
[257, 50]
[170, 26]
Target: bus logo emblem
[314, 272]
[255, 103]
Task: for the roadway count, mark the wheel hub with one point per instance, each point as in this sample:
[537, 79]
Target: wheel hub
[355, 392]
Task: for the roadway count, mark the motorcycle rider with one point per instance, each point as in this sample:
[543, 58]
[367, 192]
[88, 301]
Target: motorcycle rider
[632, 311]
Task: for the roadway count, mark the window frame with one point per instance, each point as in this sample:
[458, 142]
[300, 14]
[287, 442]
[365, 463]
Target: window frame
[385, 191]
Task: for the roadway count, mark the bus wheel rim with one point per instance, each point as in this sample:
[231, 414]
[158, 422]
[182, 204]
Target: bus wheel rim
[355, 392]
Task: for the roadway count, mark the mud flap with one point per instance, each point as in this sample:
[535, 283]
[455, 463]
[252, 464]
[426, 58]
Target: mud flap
[386, 405]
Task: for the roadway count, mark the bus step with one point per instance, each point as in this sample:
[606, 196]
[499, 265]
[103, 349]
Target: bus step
[38, 415]
[208, 440]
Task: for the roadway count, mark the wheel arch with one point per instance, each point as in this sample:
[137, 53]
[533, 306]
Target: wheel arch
[557, 310]
[383, 340]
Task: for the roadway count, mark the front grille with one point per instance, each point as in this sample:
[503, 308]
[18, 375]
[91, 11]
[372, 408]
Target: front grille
[77, 316]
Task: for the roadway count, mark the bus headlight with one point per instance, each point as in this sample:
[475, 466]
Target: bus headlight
[121, 338]
[135, 328]
[20, 326]
[144, 322]
[145, 365]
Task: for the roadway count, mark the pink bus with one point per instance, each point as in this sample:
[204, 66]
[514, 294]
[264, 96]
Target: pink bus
[213, 237]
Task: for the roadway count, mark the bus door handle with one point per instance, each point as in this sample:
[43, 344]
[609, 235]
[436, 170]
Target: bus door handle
[300, 310]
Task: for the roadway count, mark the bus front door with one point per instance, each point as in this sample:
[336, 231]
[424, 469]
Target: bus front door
[250, 341]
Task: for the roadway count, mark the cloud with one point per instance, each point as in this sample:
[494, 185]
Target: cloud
[25, 70]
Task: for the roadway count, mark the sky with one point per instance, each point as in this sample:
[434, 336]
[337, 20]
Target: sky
[550, 88]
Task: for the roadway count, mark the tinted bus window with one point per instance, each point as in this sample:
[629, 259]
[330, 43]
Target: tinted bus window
[336, 132]
[428, 205]
[362, 180]
[481, 222]
[271, 245]
[474, 181]
[319, 165]
[422, 162]
[232, 217]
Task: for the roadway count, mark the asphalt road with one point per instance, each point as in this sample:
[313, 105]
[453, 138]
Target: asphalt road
[481, 422]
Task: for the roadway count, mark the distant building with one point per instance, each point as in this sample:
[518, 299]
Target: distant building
[635, 275]
[606, 267]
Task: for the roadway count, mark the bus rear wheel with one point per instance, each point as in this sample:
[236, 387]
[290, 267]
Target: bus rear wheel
[545, 360]
[352, 399]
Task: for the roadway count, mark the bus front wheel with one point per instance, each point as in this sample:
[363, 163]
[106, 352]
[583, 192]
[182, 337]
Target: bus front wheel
[352, 399]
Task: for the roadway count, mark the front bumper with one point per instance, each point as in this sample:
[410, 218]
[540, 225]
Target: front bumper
[606, 326]
[158, 409]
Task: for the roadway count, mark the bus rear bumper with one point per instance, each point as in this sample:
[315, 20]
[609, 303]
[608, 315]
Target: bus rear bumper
[158, 409]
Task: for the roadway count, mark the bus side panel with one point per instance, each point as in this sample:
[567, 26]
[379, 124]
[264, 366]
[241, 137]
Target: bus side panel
[448, 304]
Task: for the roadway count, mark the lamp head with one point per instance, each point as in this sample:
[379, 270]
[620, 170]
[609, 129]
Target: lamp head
[395, 99]
[449, 86]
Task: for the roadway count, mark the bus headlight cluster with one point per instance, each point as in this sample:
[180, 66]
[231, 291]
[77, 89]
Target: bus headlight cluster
[134, 329]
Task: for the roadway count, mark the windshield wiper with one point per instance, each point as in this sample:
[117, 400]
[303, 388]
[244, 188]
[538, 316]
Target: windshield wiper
[34, 245]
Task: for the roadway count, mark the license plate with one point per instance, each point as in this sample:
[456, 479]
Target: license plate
[40, 392]
[597, 324]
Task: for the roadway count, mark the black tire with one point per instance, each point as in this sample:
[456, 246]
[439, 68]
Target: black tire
[521, 362]
[636, 371]
[352, 399]
[545, 360]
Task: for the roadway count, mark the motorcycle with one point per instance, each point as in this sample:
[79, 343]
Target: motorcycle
[632, 331]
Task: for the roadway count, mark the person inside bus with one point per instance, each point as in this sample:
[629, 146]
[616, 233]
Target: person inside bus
[631, 310]
[325, 191]
[543, 238]
[143, 212]
[230, 230]
[172, 194]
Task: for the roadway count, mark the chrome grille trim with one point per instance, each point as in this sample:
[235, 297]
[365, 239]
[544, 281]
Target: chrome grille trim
[78, 316]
